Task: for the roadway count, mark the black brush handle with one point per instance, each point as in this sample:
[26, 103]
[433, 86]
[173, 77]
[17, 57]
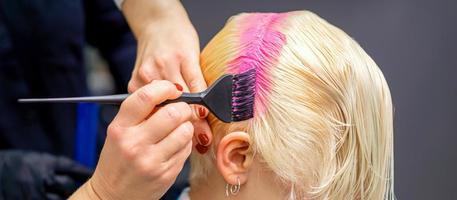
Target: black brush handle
[217, 98]
[109, 99]
[191, 98]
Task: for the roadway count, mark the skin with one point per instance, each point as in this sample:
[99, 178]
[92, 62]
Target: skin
[145, 147]
[168, 49]
[235, 159]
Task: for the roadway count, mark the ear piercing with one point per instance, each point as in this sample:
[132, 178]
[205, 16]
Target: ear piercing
[234, 189]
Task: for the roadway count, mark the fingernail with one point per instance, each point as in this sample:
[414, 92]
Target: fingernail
[201, 149]
[179, 87]
[203, 139]
[201, 112]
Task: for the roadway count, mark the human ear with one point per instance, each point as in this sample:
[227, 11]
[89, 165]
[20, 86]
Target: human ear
[234, 157]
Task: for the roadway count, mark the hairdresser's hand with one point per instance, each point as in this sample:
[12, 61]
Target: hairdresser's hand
[168, 49]
[146, 146]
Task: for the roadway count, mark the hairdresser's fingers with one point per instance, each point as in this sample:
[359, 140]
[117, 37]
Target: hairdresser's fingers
[171, 167]
[194, 78]
[181, 156]
[203, 135]
[138, 106]
[135, 81]
[192, 74]
[177, 161]
[202, 132]
[143, 73]
[175, 141]
[165, 120]
[174, 75]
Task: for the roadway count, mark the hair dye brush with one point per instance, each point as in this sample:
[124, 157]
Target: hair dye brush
[230, 98]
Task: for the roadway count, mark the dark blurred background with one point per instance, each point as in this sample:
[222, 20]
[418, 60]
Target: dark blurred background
[415, 44]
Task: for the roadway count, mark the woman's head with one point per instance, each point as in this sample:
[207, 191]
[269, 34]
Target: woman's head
[322, 113]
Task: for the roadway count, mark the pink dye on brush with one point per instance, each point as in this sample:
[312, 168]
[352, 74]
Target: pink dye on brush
[261, 44]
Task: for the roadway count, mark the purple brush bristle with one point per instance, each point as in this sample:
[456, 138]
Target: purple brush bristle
[243, 95]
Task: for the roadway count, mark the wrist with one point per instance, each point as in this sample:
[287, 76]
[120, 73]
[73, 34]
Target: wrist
[101, 188]
[86, 191]
[141, 14]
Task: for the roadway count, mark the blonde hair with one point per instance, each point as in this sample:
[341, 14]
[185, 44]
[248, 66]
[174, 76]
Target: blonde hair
[326, 129]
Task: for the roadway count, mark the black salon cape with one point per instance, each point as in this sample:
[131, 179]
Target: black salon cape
[41, 55]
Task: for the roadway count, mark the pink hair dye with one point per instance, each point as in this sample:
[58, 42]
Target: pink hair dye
[261, 45]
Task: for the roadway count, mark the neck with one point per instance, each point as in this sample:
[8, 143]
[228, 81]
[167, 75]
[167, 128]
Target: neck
[261, 184]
